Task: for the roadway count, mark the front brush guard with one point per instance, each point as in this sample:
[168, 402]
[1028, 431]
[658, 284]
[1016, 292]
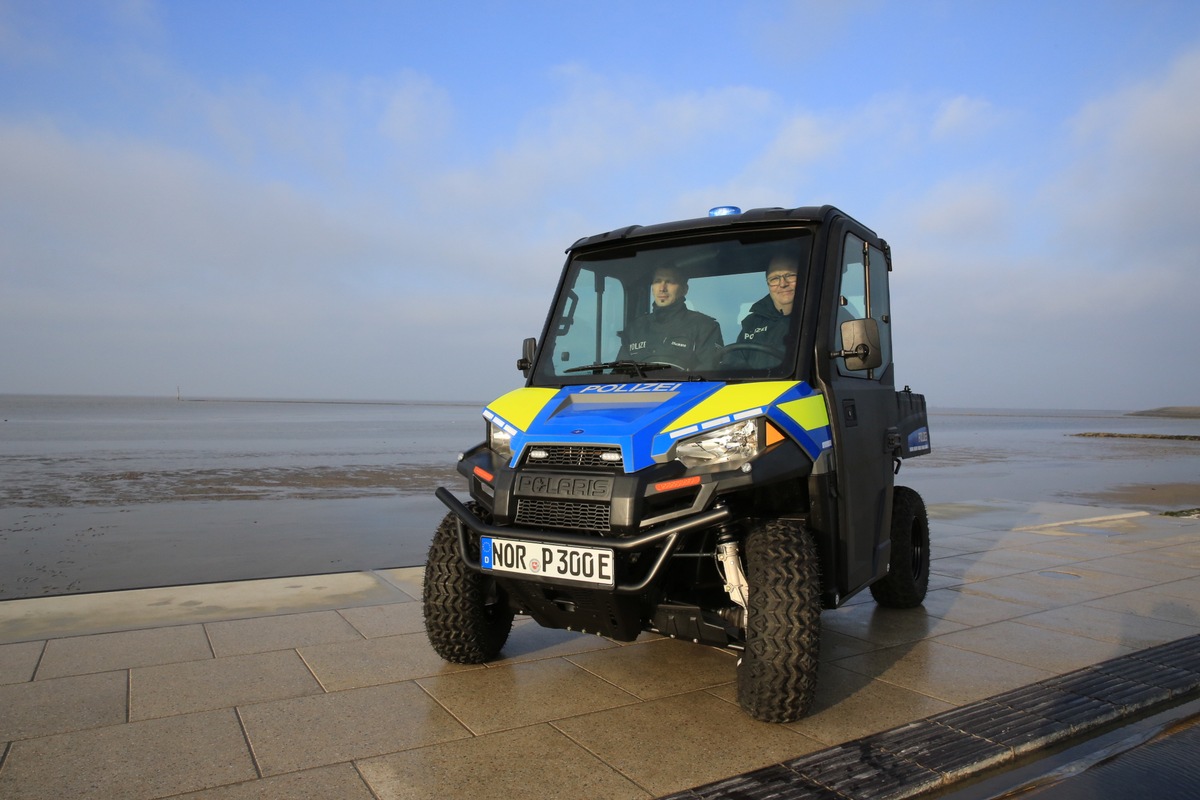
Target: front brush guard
[668, 534]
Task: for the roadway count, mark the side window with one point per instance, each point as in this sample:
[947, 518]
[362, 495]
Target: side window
[589, 322]
[881, 302]
[852, 295]
[862, 293]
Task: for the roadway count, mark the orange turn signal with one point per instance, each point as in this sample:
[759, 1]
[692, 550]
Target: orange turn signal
[681, 483]
[484, 475]
[773, 434]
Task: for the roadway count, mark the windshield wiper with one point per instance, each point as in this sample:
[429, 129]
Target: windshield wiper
[638, 368]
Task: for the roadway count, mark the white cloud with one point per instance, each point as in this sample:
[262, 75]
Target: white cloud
[294, 242]
[122, 210]
[965, 211]
[1134, 177]
[964, 117]
[416, 111]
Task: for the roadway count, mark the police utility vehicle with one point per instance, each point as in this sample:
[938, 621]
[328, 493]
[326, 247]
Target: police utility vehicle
[726, 499]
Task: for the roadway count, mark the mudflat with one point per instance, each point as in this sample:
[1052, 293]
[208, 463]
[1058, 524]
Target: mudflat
[1177, 412]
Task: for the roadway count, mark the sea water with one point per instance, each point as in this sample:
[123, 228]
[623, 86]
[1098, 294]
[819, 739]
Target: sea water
[1038, 455]
[101, 493]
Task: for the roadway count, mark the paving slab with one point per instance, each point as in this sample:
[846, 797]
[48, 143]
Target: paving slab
[944, 672]
[371, 662]
[531, 642]
[886, 627]
[172, 689]
[305, 732]
[515, 695]
[18, 661]
[41, 708]
[156, 758]
[288, 631]
[1130, 630]
[1046, 649]
[849, 705]
[1149, 564]
[667, 744]
[79, 655]
[386, 620]
[337, 782]
[535, 761]
[1151, 603]
[660, 668]
[970, 610]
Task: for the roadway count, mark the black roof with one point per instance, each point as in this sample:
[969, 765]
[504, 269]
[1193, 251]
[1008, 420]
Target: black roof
[754, 216]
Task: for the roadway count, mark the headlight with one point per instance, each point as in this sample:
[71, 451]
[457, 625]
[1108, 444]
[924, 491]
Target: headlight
[732, 446]
[500, 441]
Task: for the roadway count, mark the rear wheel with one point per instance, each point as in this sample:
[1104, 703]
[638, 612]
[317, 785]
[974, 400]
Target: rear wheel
[907, 580]
[777, 676]
[467, 618]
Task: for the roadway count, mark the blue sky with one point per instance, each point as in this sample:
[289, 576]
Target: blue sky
[371, 200]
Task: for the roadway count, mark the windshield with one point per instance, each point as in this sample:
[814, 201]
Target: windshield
[723, 308]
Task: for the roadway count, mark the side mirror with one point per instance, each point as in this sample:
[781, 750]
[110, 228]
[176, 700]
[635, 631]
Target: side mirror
[528, 349]
[860, 345]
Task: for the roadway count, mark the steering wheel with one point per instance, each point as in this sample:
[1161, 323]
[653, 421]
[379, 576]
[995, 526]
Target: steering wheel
[752, 347]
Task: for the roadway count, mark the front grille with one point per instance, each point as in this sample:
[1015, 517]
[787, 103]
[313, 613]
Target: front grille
[579, 456]
[563, 514]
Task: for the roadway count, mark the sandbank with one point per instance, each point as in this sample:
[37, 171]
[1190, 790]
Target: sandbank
[1177, 412]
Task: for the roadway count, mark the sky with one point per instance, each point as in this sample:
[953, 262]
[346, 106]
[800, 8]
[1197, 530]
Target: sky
[371, 201]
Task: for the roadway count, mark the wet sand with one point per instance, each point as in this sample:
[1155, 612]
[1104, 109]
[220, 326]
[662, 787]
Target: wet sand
[115, 520]
[66, 550]
[1160, 498]
[173, 529]
[1176, 412]
[102, 531]
[1163, 497]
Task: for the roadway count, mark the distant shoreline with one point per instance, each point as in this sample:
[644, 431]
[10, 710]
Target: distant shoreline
[1167, 436]
[1176, 412]
[329, 402]
[1165, 412]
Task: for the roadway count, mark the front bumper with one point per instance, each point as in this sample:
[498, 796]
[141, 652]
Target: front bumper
[665, 537]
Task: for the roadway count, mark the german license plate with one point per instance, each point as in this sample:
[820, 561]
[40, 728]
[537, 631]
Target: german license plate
[568, 562]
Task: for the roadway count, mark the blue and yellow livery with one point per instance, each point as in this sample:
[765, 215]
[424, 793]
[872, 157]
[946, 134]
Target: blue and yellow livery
[705, 447]
[647, 420]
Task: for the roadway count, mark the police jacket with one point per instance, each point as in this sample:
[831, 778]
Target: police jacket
[674, 334]
[764, 325]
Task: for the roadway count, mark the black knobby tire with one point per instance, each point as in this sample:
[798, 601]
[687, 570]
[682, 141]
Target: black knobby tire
[777, 676]
[467, 618]
[907, 580]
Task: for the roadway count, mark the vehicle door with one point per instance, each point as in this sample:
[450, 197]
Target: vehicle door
[862, 413]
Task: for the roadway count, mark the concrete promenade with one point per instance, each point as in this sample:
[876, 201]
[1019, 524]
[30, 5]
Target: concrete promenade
[325, 686]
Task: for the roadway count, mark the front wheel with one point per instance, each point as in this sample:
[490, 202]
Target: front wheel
[907, 580]
[777, 676]
[467, 618]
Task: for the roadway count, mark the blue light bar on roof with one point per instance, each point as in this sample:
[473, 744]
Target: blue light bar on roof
[724, 211]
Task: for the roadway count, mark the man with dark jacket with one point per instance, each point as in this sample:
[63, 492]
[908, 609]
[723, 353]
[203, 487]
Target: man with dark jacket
[672, 333]
[769, 319]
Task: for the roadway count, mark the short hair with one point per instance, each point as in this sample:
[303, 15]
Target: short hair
[781, 261]
[674, 270]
